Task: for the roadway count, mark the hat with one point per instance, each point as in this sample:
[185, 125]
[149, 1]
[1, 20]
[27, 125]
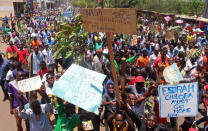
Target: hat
[139, 79]
[99, 50]
[206, 88]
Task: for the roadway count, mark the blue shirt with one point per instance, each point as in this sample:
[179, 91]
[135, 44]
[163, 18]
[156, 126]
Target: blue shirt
[202, 42]
[6, 19]
[4, 68]
[52, 42]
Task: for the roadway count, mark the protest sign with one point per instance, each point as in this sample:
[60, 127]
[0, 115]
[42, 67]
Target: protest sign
[81, 87]
[172, 74]
[30, 84]
[119, 20]
[170, 35]
[179, 100]
[134, 42]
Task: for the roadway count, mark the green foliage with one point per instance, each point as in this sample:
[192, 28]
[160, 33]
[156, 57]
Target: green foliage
[193, 54]
[70, 39]
[120, 3]
[190, 7]
[85, 3]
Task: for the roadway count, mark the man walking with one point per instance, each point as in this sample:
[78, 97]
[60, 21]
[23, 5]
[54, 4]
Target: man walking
[4, 68]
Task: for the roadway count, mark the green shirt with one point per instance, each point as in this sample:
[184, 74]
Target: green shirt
[98, 46]
[64, 123]
[7, 30]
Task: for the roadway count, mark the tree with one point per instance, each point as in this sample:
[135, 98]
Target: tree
[196, 6]
[121, 3]
[70, 40]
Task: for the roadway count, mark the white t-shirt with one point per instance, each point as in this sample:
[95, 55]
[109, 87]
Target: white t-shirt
[48, 56]
[9, 76]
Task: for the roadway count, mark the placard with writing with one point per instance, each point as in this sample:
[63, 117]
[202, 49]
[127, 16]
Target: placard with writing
[179, 100]
[113, 20]
[172, 74]
[30, 84]
[81, 87]
[170, 35]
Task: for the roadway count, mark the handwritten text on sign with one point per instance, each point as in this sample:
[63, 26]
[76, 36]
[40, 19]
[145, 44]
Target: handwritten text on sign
[180, 100]
[81, 87]
[30, 84]
[122, 21]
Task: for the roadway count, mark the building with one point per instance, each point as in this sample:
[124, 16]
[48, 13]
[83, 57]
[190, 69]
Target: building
[16, 7]
[46, 4]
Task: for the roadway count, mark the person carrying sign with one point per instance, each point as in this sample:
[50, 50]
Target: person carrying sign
[37, 112]
[13, 91]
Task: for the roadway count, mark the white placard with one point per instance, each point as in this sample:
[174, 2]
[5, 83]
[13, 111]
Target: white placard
[179, 100]
[81, 87]
[30, 84]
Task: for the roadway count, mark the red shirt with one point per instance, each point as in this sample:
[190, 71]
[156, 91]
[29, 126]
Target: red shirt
[117, 43]
[42, 71]
[22, 54]
[11, 50]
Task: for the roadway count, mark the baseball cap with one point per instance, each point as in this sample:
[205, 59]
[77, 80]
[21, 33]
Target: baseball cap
[139, 79]
[206, 88]
[99, 50]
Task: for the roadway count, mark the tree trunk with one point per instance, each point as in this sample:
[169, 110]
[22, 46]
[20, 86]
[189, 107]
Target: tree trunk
[205, 14]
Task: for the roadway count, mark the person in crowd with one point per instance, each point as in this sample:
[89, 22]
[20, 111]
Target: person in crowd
[109, 101]
[18, 66]
[4, 68]
[10, 76]
[150, 124]
[141, 93]
[43, 69]
[143, 60]
[48, 55]
[13, 90]
[120, 121]
[35, 43]
[37, 113]
[37, 58]
[22, 55]
[98, 61]
[11, 50]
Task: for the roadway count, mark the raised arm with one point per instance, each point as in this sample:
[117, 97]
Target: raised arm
[22, 113]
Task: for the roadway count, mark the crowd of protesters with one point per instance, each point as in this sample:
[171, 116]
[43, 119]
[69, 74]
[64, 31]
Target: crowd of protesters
[29, 42]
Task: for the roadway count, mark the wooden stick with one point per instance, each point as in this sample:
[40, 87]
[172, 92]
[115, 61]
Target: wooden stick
[30, 74]
[123, 72]
[177, 124]
[110, 49]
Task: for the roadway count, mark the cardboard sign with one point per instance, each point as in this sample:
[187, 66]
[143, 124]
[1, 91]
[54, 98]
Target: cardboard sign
[81, 87]
[30, 84]
[172, 74]
[170, 35]
[134, 42]
[179, 100]
[116, 20]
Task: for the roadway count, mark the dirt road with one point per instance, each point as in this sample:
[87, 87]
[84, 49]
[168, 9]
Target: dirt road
[7, 121]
